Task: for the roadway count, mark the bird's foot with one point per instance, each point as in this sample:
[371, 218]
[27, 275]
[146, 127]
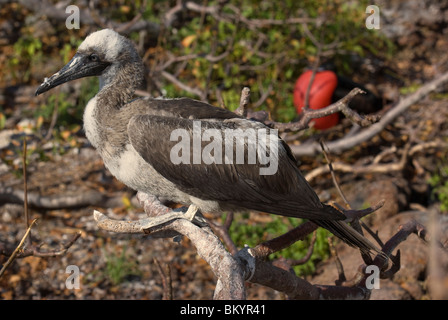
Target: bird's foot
[191, 212]
[159, 214]
[136, 226]
[194, 215]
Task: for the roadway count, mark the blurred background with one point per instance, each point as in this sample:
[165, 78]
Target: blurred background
[210, 50]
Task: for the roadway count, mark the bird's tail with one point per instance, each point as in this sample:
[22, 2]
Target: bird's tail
[349, 235]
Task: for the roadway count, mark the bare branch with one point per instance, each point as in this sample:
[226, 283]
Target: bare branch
[309, 114]
[333, 176]
[244, 101]
[376, 167]
[308, 254]
[18, 249]
[57, 201]
[166, 280]
[251, 265]
[209, 247]
[35, 250]
[175, 81]
[266, 248]
[341, 274]
[223, 233]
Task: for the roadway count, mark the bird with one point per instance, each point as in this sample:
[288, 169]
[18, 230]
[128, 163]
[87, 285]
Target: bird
[329, 87]
[134, 137]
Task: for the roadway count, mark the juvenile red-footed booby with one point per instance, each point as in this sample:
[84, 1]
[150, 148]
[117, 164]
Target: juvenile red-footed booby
[136, 142]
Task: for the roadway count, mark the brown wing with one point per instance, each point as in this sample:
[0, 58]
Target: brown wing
[159, 141]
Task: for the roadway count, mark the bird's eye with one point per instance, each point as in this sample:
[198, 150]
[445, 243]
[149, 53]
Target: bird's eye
[94, 58]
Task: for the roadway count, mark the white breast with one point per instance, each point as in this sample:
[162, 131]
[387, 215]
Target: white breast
[130, 168]
[91, 124]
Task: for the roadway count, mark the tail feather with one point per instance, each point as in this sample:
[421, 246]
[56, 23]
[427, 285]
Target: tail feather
[347, 234]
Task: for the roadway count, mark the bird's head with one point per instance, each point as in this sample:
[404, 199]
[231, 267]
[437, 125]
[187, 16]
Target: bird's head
[100, 54]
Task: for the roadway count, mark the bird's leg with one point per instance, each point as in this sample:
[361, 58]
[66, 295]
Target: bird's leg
[159, 213]
[142, 225]
[152, 205]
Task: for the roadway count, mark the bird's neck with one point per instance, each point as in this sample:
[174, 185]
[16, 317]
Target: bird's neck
[118, 85]
[105, 117]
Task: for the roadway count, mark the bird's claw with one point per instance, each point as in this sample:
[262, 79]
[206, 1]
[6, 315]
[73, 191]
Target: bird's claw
[191, 212]
[191, 215]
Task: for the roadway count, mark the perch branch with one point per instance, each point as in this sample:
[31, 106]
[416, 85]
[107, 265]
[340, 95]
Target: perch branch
[230, 283]
[251, 265]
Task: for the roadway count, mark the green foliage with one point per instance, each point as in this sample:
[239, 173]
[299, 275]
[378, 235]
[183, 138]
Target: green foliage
[69, 113]
[2, 120]
[119, 265]
[66, 110]
[244, 232]
[410, 89]
[439, 183]
[27, 51]
[68, 50]
[268, 59]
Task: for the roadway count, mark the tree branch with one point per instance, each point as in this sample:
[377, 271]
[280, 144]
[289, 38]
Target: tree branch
[338, 146]
[251, 265]
[376, 167]
[51, 202]
[339, 106]
[244, 101]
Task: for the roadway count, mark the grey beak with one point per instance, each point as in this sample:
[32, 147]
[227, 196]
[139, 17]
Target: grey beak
[79, 67]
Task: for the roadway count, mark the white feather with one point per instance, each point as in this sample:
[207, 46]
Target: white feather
[107, 41]
[91, 124]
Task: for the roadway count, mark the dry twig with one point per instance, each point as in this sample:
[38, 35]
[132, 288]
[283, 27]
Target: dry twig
[166, 280]
[376, 167]
[244, 101]
[31, 249]
[339, 106]
[349, 142]
[18, 249]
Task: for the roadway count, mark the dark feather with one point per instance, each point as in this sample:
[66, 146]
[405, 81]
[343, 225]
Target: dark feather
[286, 193]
